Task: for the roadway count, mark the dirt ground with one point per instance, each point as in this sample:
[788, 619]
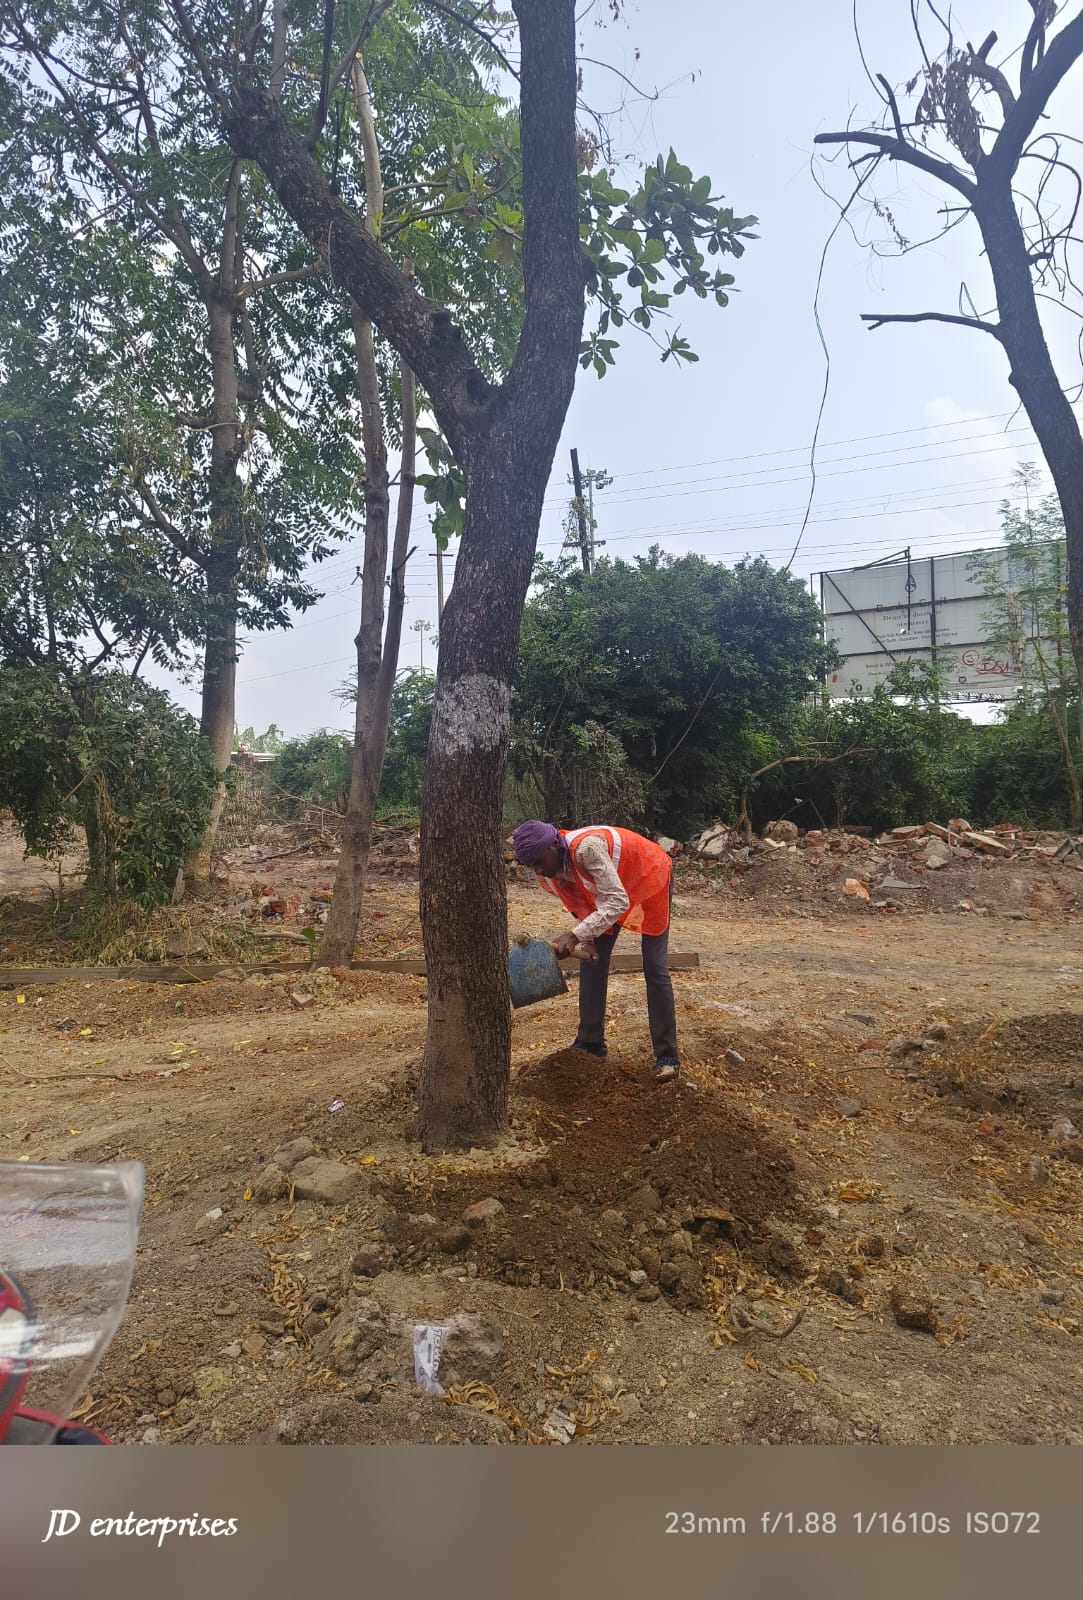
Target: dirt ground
[856, 1219]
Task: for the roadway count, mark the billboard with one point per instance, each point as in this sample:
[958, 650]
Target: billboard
[929, 608]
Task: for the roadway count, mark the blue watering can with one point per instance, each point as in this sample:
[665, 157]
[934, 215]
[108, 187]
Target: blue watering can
[534, 972]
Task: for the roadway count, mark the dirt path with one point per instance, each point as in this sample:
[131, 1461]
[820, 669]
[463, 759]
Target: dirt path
[655, 1245]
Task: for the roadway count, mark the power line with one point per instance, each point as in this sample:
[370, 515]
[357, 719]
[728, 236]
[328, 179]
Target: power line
[764, 455]
[674, 492]
[740, 520]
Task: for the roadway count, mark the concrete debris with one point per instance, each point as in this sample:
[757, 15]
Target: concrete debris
[936, 856]
[482, 1213]
[559, 1426]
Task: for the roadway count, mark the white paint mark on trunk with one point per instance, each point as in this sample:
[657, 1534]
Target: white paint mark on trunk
[472, 714]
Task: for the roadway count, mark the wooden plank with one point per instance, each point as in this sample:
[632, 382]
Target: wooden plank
[627, 961]
[202, 971]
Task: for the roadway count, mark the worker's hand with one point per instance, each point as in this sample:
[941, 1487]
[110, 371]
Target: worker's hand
[564, 944]
[588, 950]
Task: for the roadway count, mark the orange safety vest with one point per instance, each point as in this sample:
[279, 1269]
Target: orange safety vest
[643, 868]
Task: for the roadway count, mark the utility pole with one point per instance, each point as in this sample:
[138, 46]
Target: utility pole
[439, 584]
[594, 478]
[421, 627]
[581, 514]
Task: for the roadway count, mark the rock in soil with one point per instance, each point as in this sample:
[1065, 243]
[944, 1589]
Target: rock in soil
[913, 1308]
[288, 1155]
[482, 1213]
[454, 1240]
[331, 1183]
[271, 1184]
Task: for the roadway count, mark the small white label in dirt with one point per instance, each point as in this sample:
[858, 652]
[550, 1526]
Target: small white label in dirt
[428, 1348]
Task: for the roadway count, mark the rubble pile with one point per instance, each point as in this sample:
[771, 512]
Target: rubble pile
[928, 843]
[854, 867]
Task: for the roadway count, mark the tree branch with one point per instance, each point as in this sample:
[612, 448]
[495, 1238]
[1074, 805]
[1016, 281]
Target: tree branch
[171, 225]
[1035, 40]
[329, 88]
[995, 80]
[1061, 55]
[894, 104]
[421, 332]
[370, 149]
[191, 39]
[162, 522]
[273, 279]
[319, 116]
[878, 319]
[279, 30]
[229, 273]
[469, 23]
[901, 150]
[142, 656]
[743, 821]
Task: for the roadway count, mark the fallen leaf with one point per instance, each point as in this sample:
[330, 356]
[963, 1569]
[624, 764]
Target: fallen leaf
[248, 1194]
[802, 1372]
[751, 1362]
[20, 999]
[857, 1190]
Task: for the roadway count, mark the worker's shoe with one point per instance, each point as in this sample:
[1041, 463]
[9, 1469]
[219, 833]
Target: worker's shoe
[665, 1069]
[591, 1049]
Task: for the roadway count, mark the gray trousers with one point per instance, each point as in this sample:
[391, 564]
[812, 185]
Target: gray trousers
[594, 986]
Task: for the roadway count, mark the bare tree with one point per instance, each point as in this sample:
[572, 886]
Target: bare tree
[988, 119]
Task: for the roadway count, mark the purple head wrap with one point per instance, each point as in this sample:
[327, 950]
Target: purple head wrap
[532, 839]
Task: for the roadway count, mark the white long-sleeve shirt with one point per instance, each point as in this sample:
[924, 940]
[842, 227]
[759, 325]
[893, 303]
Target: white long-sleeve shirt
[610, 896]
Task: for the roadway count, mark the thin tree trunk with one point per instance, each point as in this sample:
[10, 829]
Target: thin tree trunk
[337, 945]
[218, 711]
[373, 713]
[373, 704]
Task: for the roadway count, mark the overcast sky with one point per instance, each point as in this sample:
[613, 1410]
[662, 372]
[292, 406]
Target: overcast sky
[714, 457]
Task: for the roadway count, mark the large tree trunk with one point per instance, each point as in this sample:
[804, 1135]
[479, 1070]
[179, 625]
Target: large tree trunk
[463, 1088]
[1034, 379]
[464, 1078]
